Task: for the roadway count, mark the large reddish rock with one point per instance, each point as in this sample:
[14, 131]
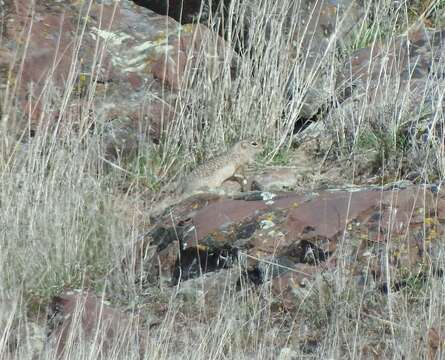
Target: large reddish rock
[192, 42]
[393, 87]
[292, 237]
[77, 318]
[405, 59]
[399, 76]
[82, 66]
[67, 52]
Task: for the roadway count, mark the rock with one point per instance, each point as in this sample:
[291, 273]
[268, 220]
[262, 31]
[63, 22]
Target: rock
[287, 354]
[393, 86]
[121, 70]
[435, 341]
[310, 26]
[289, 238]
[314, 140]
[182, 11]
[277, 178]
[207, 292]
[114, 58]
[407, 60]
[126, 131]
[18, 333]
[118, 59]
[80, 317]
[399, 95]
[319, 23]
[191, 44]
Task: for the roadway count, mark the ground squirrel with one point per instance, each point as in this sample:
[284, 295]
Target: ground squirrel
[213, 173]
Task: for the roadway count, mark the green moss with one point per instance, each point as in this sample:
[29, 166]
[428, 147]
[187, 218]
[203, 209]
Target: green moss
[281, 158]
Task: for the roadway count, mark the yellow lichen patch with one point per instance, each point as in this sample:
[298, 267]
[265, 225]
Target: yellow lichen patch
[161, 35]
[268, 217]
[431, 235]
[188, 28]
[160, 39]
[396, 254]
[202, 247]
[432, 232]
[430, 221]
[82, 84]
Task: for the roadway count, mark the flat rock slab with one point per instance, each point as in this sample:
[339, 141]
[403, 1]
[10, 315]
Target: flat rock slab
[77, 317]
[326, 213]
[298, 235]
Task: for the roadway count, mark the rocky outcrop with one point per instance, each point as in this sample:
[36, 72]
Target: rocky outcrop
[286, 246]
[134, 60]
[403, 67]
[395, 80]
[171, 67]
[76, 318]
[182, 11]
[318, 29]
[117, 63]
[290, 237]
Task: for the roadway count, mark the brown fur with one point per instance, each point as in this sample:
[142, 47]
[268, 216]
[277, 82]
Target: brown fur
[211, 175]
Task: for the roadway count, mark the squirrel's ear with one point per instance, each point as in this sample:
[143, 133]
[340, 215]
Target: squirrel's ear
[243, 144]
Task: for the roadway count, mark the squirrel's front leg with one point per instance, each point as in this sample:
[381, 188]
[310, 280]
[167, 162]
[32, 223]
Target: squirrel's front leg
[240, 177]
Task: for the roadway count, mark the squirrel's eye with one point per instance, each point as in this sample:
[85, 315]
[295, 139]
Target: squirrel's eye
[253, 143]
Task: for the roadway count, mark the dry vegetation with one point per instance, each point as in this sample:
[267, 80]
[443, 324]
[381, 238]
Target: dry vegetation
[63, 223]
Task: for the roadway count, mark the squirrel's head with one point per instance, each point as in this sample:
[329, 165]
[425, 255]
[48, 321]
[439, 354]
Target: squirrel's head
[248, 147]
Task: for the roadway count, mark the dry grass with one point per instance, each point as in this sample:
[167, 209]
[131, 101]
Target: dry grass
[62, 223]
